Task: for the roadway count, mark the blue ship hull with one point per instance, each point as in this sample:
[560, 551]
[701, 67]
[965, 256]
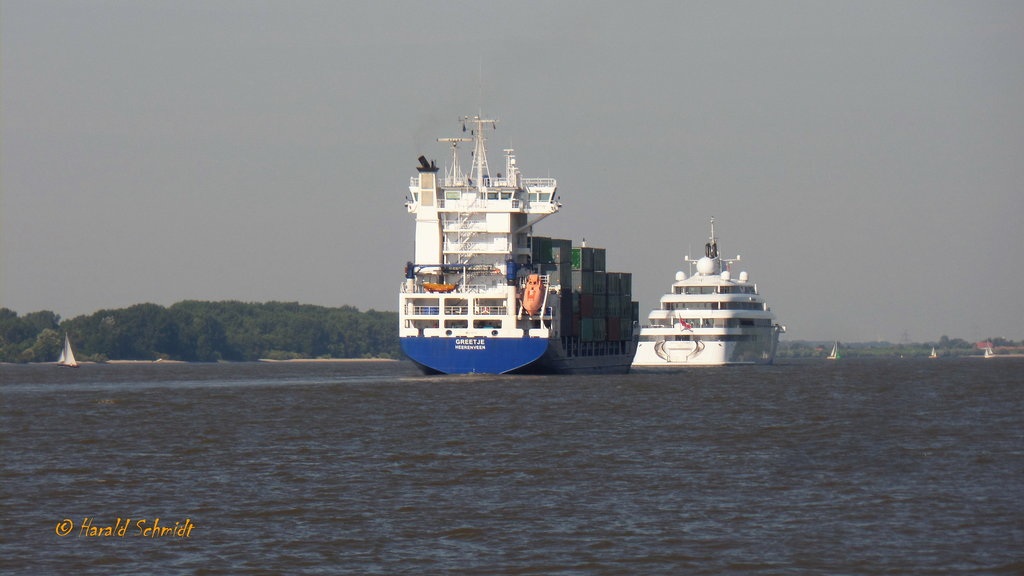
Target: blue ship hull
[473, 355]
[509, 355]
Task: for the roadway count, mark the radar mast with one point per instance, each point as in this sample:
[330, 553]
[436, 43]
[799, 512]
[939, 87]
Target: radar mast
[453, 175]
[480, 170]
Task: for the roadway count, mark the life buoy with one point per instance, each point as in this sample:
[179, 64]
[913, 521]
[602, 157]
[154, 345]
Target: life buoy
[533, 295]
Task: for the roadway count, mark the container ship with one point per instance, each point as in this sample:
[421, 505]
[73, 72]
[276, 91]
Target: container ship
[483, 294]
[709, 318]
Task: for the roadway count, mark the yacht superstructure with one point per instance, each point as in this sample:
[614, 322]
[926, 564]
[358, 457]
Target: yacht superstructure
[709, 318]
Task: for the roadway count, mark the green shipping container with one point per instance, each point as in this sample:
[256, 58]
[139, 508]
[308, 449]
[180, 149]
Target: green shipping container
[614, 306]
[583, 258]
[563, 277]
[612, 280]
[565, 313]
[583, 281]
[541, 250]
[599, 260]
[620, 283]
[587, 329]
[561, 251]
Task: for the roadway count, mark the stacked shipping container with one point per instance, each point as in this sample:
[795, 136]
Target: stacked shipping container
[595, 305]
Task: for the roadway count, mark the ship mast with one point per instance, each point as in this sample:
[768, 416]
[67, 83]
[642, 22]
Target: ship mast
[454, 175]
[480, 149]
[711, 250]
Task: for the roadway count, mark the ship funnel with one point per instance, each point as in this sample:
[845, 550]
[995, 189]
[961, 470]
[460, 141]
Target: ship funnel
[426, 166]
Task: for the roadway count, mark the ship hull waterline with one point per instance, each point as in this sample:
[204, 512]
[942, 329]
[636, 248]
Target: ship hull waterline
[509, 356]
[662, 356]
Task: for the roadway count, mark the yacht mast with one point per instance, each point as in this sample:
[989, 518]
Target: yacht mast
[711, 250]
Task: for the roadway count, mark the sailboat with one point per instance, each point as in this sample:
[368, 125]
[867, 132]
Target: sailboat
[67, 357]
[835, 352]
[988, 352]
[933, 354]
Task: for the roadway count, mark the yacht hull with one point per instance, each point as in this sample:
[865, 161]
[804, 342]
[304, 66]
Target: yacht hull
[664, 354]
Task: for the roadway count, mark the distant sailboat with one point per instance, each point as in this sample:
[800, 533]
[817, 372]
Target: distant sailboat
[933, 354]
[988, 352]
[67, 357]
[835, 352]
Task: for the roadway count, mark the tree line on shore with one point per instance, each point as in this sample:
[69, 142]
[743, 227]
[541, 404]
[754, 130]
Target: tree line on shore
[196, 331]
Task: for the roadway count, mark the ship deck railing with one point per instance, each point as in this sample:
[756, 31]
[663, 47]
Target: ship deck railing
[462, 289]
[499, 246]
[494, 204]
[449, 182]
[459, 310]
[465, 311]
[539, 182]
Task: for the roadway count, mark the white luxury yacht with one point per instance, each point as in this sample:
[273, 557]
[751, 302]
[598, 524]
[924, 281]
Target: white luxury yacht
[709, 318]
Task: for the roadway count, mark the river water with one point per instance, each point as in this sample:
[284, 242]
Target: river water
[805, 467]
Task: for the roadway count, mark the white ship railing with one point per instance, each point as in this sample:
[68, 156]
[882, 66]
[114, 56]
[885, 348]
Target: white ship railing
[478, 311]
[459, 311]
[491, 310]
[539, 182]
[470, 225]
[462, 289]
[414, 182]
[500, 246]
[492, 204]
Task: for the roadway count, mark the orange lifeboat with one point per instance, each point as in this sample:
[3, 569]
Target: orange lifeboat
[431, 287]
[533, 295]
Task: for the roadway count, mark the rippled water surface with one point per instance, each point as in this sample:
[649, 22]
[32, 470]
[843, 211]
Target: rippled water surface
[849, 467]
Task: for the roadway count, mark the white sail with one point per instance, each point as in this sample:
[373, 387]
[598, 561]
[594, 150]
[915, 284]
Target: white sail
[835, 352]
[67, 356]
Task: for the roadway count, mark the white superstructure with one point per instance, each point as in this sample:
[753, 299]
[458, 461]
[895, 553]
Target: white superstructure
[710, 318]
[485, 295]
[472, 233]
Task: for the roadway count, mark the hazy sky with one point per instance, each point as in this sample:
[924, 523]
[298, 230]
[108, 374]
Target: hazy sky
[865, 158]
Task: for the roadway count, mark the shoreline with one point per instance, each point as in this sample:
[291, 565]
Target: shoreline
[263, 360]
[328, 360]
